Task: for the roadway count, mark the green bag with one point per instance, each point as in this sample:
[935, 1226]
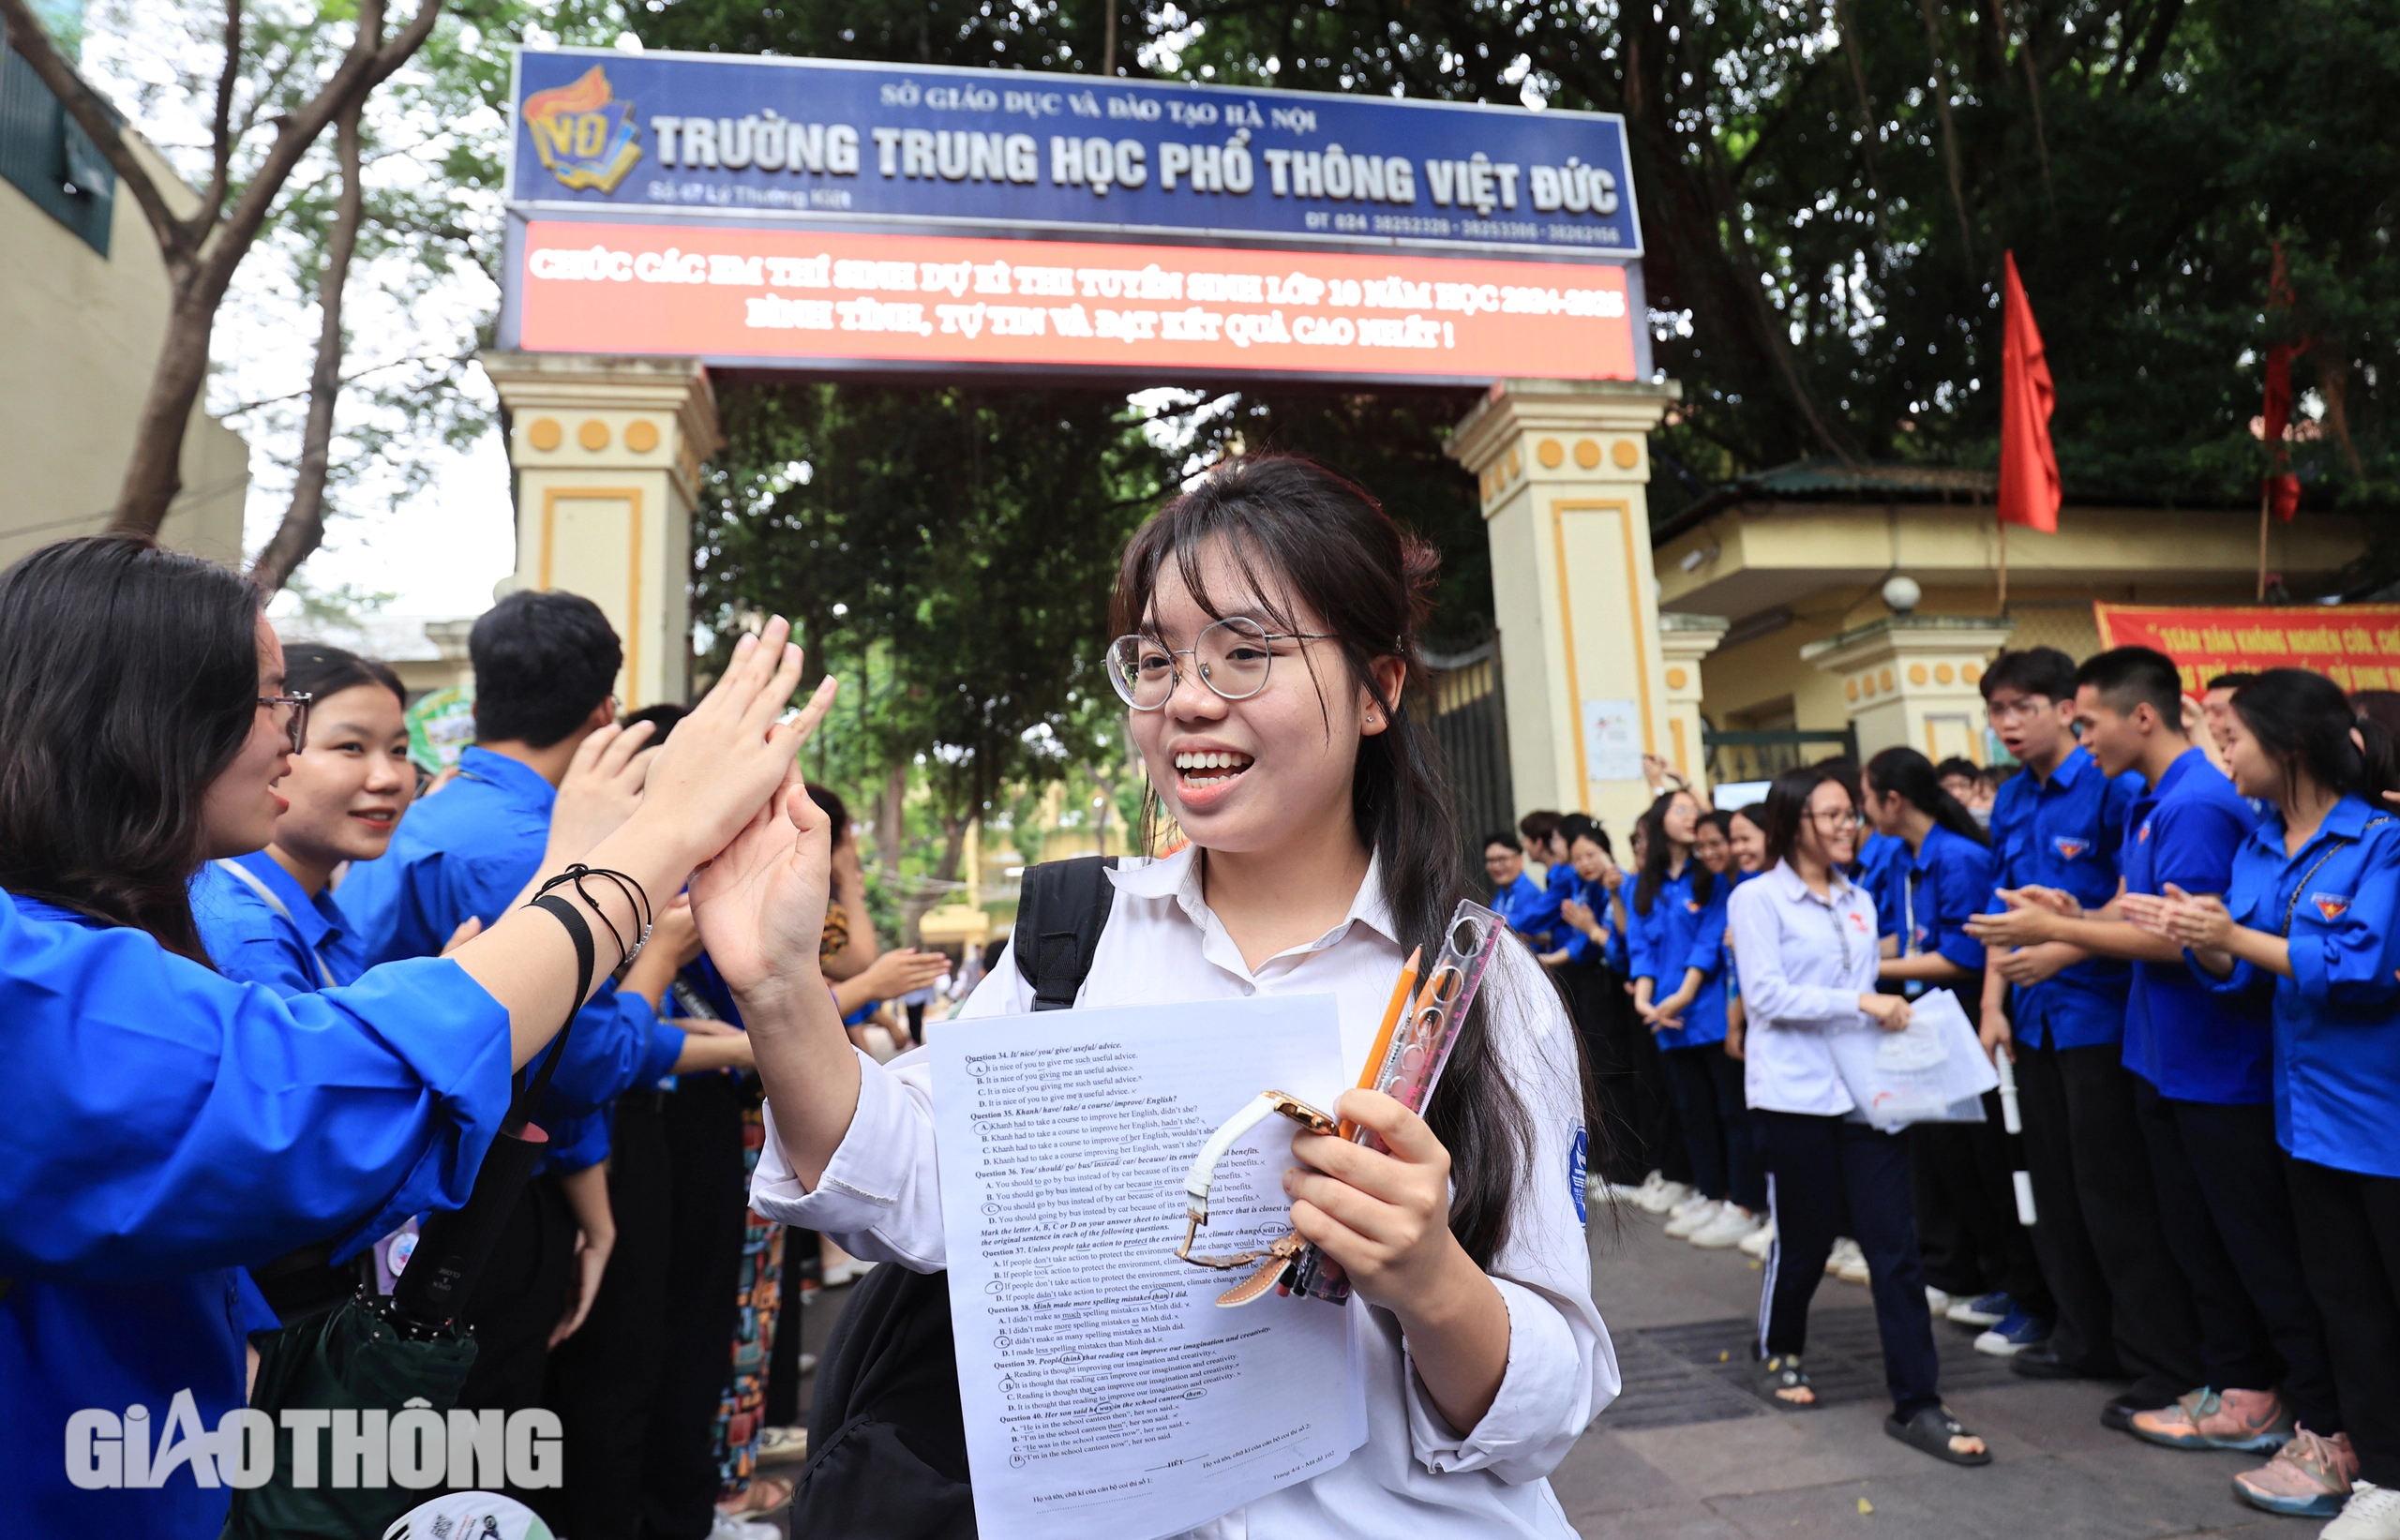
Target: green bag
[350, 1357]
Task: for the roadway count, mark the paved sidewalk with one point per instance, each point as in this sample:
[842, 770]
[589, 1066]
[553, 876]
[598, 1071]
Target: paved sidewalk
[1690, 1453]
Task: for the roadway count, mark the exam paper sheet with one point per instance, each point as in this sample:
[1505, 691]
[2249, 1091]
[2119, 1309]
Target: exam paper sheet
[1107, 1396]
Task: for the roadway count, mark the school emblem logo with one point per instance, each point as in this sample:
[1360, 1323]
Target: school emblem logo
[2141, 836]
[2332, 908]
[583, 134]
[1691, 906]
[2067, 848]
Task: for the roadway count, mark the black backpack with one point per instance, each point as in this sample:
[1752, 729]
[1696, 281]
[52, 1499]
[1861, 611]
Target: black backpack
[887, 1442]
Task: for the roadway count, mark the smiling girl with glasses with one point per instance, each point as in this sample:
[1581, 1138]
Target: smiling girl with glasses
[1267, 623]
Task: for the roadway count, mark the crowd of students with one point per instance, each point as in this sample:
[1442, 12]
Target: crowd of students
[2175, 918]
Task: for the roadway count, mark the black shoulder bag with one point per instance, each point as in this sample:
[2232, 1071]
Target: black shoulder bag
[887, 1442]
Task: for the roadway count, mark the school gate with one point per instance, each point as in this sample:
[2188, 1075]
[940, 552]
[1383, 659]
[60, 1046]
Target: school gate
[674, 213]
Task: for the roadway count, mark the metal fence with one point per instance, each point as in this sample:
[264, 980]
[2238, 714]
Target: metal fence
[1734, 756]
[1471, 722]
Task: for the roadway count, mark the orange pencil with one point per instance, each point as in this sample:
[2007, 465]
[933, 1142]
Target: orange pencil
[1375, 1056]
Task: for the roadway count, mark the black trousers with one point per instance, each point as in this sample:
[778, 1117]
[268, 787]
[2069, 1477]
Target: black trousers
[2124, 1307]
[711, 1196]
[1829, 1177]
[1630, 1109]
[602, 1378]
[1716, 1118]
[2349, 1241]
[523, 1290]
[1966, 1212]
[2222, 1197]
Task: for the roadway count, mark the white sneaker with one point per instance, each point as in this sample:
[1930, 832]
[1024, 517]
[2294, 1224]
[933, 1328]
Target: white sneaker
[1855, 1269]
[1669, 1196]
[1938, 1301]
[849, 1271]
[2373, 1513]
[1693, 1217]
[1626, 1192]
[1732, 1226]
[729, 1528]
[1845, 1251]
[1759, 1241]
[1683, 1209]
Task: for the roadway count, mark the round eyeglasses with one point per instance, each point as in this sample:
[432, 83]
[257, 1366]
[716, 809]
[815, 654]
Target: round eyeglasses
[1231, 656]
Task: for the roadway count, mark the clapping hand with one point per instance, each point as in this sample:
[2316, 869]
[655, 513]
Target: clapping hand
[2197, 920]
[2026, 921]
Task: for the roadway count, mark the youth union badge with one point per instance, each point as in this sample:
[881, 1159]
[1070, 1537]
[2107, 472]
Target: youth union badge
[583, 134]
[2332, 907]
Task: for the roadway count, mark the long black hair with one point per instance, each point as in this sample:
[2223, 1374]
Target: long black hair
[128, 682]
[2304, 722]
[1657, 857]
[1912, 776]
[313, 669]
[1304, 536]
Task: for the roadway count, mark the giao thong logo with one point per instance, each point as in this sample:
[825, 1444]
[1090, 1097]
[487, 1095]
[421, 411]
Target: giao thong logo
[583, 134]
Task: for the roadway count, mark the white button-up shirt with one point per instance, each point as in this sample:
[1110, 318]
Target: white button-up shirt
[880, 1199]
[1805, 962]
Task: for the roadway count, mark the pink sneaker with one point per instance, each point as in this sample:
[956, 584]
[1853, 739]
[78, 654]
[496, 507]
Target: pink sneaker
[2206, 1419]
[2309, 1477]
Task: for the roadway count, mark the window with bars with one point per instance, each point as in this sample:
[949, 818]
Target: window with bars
[46, 156]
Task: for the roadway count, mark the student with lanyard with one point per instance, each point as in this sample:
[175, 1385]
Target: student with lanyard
[1706, 1082]
[2202, 1068]
[2125, 1308]
[1976, 1252]
[2312, 921]
[545, 666]
[164, 1127]
[1746, 850]
[1590, 964]
[269, 916]
[1546, 845]
[1805, 936]
[1272, 599]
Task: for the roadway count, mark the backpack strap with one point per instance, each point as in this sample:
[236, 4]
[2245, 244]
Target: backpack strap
[1060, 913]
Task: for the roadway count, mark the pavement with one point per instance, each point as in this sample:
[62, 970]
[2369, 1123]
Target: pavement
[1689, 1452]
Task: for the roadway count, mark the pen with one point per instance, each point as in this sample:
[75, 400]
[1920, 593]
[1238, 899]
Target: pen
[1375, 1056]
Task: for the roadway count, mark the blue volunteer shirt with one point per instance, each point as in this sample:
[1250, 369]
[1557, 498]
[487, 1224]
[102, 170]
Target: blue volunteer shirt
[1517, 900]
[2063, 833]
[1933, 893]
[2188, 1041]
[1541, 921]
[1682, 932]
[465, 852]
[306, 946]
[1880, 859]
[162, 1127]
[2337, 1017]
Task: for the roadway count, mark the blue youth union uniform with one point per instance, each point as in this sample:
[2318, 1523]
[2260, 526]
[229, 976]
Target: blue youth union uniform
[2337, 1018]
[467, 851]
[2189, 1041]
[1881, 859]
[1541, 918]
[2063, 833]
[162, 1127]
[1517, 900]
[1934, 892]
[262, 927]
[1680, 931]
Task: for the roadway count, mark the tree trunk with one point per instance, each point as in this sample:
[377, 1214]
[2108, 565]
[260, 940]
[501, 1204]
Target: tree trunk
[303, 528]
[155, 474]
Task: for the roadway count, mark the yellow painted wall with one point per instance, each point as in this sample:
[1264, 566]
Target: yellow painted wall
[79, 336]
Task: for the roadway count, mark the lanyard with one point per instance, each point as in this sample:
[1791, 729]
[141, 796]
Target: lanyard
[266, 894]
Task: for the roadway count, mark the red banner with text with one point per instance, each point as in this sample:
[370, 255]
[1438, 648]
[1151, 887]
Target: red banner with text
[731, 293]
[2356, 646]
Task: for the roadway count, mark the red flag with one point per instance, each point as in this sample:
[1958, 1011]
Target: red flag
[2029, 470]
[2282, 488]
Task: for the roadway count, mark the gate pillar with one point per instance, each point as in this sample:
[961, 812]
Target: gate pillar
[1914, 682]
[1564, 468]
[606, 454]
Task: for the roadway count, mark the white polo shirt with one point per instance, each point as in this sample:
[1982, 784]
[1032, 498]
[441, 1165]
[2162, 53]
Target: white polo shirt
[1416, 1474]
[1804, 961]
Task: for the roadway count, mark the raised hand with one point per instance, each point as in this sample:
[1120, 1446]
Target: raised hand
[711, 781]
[602, 790]
[761, 903]
[2199, 920]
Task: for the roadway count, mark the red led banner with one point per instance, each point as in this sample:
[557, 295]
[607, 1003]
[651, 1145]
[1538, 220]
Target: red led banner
[799, 296]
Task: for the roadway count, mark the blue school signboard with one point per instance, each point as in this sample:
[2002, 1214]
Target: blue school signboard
[813, 214]
[858, 145]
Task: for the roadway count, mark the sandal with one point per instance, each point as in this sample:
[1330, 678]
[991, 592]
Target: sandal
[765, 1495]
[782, 1446]
[1782, 1371]
[1931, 1429]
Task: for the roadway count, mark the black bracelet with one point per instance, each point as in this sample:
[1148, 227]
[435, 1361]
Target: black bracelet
[626, 888]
